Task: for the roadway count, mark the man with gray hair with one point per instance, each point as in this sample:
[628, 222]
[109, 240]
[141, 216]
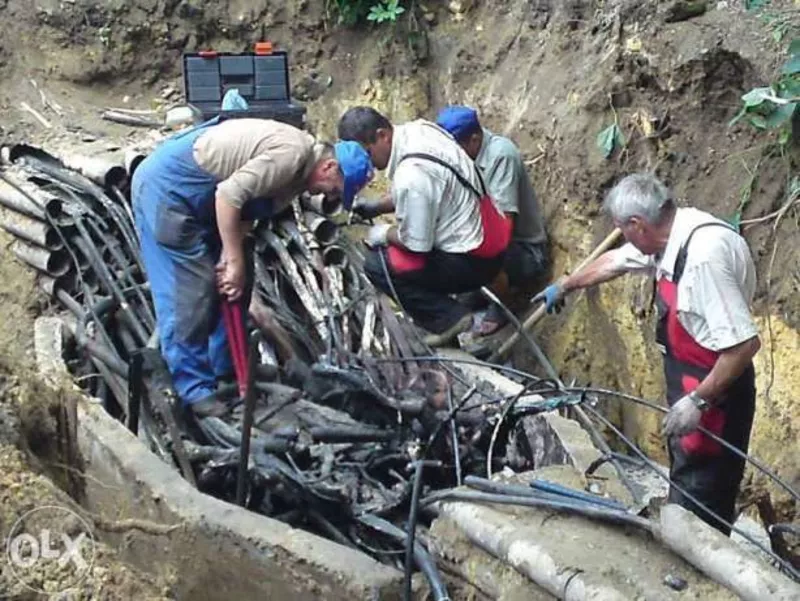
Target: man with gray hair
[705, 282]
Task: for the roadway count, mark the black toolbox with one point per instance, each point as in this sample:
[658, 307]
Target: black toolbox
[262, 78]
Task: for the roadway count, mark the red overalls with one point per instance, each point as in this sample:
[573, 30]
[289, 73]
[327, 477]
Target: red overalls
[497, 228]
[700, 465]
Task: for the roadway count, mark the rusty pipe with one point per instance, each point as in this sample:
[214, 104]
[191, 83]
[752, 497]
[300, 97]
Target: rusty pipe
[24, 197]
[324, 230]
[54, 264]
[33, 231]
[321, 204]
[102, 172]
[334, 256]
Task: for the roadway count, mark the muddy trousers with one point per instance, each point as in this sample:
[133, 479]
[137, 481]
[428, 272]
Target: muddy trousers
[179, 260]
[714, 479]
[425, 293]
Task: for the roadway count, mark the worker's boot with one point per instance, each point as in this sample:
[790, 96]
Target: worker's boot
[462, 325]
[209, 406]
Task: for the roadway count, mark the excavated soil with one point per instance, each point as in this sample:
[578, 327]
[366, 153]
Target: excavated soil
[549, 74]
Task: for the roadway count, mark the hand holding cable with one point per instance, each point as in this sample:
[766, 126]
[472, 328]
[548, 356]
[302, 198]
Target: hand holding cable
[378, 235]
[684, 416]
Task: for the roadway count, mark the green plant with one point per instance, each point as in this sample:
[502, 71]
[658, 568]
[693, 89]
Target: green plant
[609, 139]
[385, 11]
[352, 12]
[772, 107]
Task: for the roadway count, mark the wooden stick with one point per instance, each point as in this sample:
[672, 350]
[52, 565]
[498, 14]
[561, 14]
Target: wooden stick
[540, 311]
[28, 108]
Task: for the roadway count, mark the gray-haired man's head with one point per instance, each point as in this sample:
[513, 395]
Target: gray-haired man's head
[643, 208]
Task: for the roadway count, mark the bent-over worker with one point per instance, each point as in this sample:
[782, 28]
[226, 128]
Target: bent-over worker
[192, 199]
[500, 163]
[705, 280]
[449, 238]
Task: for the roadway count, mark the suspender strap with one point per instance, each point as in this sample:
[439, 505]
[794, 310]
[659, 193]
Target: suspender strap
[464, 181]
[680, 260]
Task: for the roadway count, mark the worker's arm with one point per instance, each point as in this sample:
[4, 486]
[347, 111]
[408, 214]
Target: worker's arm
[604, 268]
[231, 270]
[729, 366]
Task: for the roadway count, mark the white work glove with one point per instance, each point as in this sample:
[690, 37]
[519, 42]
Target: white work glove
[684, 416]
[378, 235]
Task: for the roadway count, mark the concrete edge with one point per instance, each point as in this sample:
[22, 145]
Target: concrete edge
[114, 457]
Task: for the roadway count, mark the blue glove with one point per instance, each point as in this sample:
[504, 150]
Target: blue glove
[553, 297]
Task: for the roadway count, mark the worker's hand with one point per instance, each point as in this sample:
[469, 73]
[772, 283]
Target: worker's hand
[231, 277]
[552, 296]
[683, 417]
[367, 209]
[378, 235]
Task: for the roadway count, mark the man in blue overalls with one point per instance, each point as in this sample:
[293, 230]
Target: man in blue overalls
[193, 200]
[705, 281]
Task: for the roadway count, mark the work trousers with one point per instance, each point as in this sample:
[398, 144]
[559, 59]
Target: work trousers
[425, 293]
[714, 479]
[525, 262]
[179, 256]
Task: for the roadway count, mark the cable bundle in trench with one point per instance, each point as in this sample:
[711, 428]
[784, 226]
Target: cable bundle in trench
[337, 434]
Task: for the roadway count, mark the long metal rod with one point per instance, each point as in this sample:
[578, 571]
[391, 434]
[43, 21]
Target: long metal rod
[247, 418]
[454, 435]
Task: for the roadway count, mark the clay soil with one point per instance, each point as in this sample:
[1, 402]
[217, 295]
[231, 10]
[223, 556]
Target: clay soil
[549, 74]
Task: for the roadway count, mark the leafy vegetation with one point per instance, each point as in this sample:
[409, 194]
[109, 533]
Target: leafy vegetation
[773, 107]
[609, 139]
[352, 12]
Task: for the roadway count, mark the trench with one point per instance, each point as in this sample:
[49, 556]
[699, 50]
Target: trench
[354, 418]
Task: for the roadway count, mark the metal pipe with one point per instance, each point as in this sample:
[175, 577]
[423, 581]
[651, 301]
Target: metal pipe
[33, 231]
[334, 256]
[99, 170]
[325, 231]
[331, 434]
[247, 417]
[55, 264]
[132, 160]
[35, 205]
[321, 204]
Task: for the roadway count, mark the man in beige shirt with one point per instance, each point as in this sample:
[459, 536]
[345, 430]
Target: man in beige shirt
[193, 199]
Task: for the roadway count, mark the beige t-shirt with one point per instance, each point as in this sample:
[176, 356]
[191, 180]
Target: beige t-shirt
[256, 158]
[433, 209]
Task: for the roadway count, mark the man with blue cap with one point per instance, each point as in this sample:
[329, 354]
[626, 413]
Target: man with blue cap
[193, 200]
[500, 162]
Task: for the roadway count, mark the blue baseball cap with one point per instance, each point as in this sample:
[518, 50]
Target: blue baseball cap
[356, 168]
[459, 120]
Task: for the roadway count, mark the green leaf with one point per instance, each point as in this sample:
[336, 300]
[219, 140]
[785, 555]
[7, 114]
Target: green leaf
[792, 66]
[738, 117]
[789, 87]
[399, 10]
[608, 139]
[777, 34]
[735, 220]
[794, 47]
[755, 4]
[758, 121]
[780, 115]
[784, 136]
[756, 96]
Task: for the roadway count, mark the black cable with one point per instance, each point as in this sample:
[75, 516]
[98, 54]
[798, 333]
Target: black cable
[785, 564]
[738, 452]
